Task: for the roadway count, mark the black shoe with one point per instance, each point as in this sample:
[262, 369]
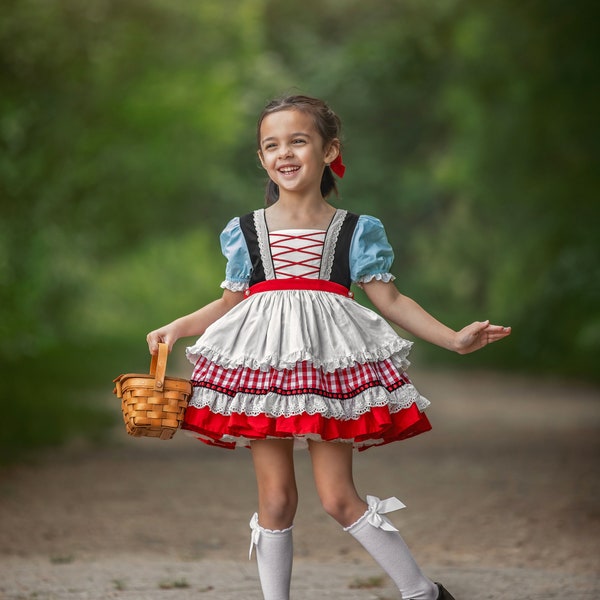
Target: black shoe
[444, 594]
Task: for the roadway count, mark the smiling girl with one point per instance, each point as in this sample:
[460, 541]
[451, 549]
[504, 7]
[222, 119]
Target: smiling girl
[286, 357]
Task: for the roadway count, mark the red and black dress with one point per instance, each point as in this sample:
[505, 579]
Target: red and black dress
[299, 357]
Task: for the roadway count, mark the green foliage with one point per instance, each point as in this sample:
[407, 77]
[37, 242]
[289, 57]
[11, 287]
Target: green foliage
[127, 142]
[519, 236]
[162, 280]
[110, 111]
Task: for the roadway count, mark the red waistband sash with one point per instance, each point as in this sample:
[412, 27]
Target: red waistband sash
[299, 283]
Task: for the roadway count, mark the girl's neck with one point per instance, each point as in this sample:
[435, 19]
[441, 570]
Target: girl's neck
[288, 213]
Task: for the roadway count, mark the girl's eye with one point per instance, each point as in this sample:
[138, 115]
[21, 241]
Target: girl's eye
[299, 141]
[269, 146]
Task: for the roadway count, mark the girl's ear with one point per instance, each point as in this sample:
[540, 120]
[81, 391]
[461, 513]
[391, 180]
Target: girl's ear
[260, 157]
[333, 151]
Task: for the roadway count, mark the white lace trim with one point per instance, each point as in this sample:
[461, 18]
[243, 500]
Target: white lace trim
[275, 405]
[397, 352]
[262, 233]
[331, 239]
[385, 277]
[234, 286]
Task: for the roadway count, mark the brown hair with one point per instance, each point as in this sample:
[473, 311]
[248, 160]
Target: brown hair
[327, 123]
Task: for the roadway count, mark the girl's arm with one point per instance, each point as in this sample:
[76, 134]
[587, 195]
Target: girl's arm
[406, 313]
[195, 323]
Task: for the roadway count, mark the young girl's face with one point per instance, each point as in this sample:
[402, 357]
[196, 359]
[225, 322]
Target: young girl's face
[292, 151]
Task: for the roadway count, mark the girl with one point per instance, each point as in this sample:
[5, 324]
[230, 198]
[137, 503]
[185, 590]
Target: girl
[286, 356]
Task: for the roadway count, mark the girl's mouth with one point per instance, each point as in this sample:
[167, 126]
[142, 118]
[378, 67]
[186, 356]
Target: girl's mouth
[288, 170]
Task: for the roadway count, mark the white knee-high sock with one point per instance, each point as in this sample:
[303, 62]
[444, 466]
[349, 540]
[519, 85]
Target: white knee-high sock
[385, 544]
[274, 555]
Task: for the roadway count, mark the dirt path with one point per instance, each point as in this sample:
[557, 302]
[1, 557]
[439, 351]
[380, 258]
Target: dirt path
[502, 501]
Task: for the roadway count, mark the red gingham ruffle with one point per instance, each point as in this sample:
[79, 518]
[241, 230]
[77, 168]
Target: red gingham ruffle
[305, 378]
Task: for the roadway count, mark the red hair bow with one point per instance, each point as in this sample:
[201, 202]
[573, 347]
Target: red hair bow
[338, 167]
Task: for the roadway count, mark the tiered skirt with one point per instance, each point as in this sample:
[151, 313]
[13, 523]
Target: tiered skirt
[306, 365]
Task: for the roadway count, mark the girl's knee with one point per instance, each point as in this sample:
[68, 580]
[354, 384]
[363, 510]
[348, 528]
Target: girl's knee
[345, 509]
[277, 508]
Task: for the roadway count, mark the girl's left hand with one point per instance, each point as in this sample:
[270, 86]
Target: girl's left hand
[479, 334]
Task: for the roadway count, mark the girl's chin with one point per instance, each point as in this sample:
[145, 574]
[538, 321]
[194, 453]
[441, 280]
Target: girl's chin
[287, 184]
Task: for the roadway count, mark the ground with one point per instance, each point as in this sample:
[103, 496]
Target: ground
[502, 503]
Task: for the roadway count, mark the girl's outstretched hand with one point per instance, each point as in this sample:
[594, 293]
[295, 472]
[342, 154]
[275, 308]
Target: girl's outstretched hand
[162, 335]
[479, 334]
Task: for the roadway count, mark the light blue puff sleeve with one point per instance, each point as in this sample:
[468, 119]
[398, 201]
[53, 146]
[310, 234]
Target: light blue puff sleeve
[371, 255]
[235, 250]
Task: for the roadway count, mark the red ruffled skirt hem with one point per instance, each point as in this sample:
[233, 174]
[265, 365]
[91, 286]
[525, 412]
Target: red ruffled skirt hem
[375, 428]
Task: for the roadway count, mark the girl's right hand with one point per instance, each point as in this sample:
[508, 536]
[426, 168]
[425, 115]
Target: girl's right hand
[164, 335]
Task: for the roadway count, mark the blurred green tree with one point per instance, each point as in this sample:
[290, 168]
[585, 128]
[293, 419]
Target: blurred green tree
[109, 111]
[471, 132]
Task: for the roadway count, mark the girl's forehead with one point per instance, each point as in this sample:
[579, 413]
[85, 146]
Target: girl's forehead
[287, 121]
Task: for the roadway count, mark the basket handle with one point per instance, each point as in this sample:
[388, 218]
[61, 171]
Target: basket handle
[158, 366]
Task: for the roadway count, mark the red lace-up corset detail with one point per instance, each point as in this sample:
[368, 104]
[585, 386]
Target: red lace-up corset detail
[297, 253]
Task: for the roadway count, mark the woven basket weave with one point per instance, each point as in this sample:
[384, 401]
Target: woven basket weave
[153, 405]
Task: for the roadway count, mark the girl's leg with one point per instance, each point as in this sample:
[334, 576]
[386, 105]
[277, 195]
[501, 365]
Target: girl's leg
[332, 468]
[272, 525]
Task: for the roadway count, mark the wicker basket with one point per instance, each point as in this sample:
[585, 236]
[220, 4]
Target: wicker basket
[153, 405]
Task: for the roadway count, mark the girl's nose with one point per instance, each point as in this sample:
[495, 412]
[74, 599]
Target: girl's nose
[285, 151]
